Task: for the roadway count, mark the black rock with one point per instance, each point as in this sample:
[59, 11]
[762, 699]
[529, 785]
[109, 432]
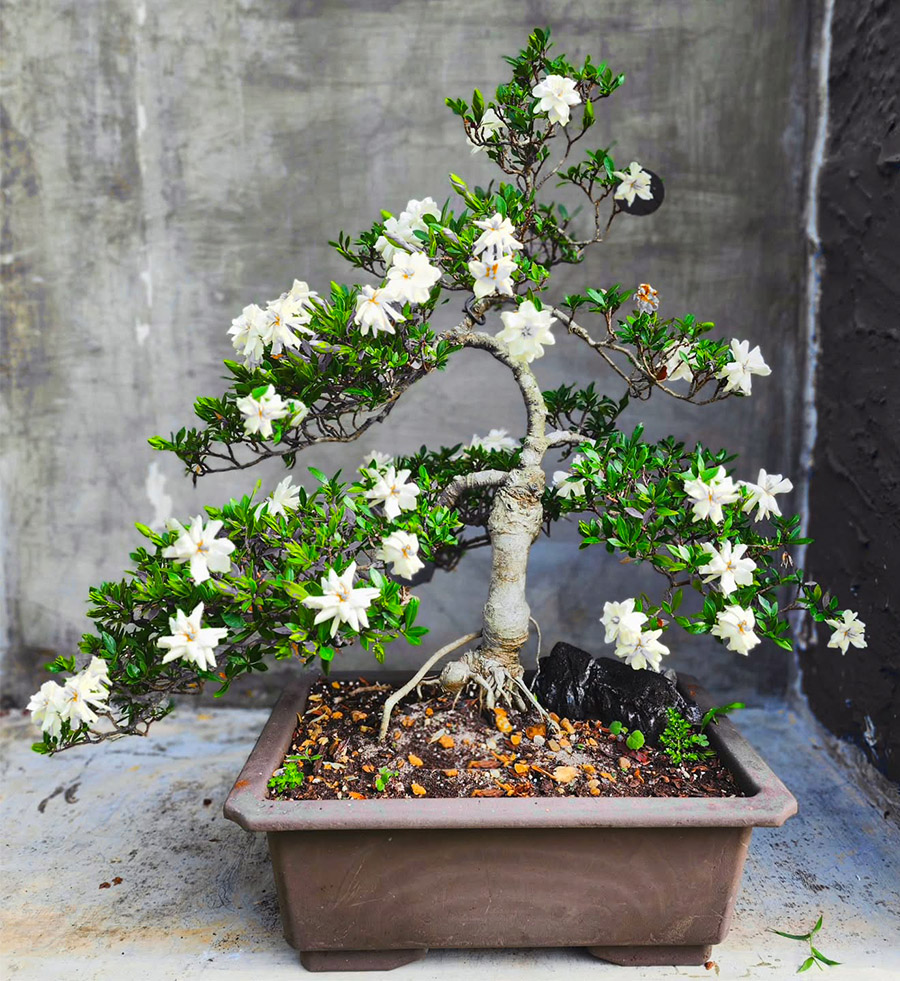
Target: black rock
[575, 685]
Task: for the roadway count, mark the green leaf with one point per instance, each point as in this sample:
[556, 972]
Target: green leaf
[326, 653]
[792, 936]
[806, 965]
[295, 589]
[821, 957]
[320, 477]
[635, 740]
[477, 105]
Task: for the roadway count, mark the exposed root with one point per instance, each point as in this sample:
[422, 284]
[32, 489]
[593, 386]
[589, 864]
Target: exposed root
[417, 680]
[497, 683]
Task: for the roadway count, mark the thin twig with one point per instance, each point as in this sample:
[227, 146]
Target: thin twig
[417, 677]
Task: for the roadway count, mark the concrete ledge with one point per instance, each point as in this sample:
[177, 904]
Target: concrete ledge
[196, 896]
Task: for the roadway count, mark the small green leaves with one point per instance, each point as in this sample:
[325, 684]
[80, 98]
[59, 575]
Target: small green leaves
[635, 739]
[718, 712]
[815, 956]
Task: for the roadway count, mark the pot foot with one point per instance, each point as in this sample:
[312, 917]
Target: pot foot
[652, 956]
[359, 960]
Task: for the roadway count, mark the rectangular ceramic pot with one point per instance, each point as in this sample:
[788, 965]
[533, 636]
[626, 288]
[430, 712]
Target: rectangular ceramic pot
[372, 884]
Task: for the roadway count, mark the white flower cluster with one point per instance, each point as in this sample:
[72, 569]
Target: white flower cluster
[257, 329]
[680, 356]
[410, 279]
[74, 702]
[492, 263]
[637, 647]
[710, 495]
[399, 233]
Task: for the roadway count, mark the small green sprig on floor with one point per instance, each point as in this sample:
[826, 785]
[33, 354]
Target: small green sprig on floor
[815, 956]
[680, 741]
[634, 740]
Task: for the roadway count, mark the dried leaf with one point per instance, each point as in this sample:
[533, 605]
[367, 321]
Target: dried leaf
[418, 789]
[533, 731]
[450, 773]
[565, 774]
[447, 742]
[414, 759]
[521, 768]
[516, 738]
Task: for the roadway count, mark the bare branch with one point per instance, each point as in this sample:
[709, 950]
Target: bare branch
[470, 481]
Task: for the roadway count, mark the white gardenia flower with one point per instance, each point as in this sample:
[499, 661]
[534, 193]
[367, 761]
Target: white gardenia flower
[375, 310]
[848, 630]
[191, 641]
[526, 330]
[709, 497]
[739, 373]
[762, 493]
[248, 334]
[392, 490]
[301, 298]
[643, 651]
[496, 439]
[492, 276]
[340, 602]
[260, 413]
[646, 298]
[285, 497]
[623, 623]
[557, 94]
[728, 565]
[677, 369]
[413, 215]
[46, 707]
[97, 672]
[497, 236]
[411, 277]
[81, 695]
[490, 124]
[570, 488]
[635, 183]
[402, 549]
[374, 460]
[200, 547]
[397, 235]
[735, 626]
[281, 322]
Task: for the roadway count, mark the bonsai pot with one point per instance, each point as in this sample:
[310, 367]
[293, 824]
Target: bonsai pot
[372, 884]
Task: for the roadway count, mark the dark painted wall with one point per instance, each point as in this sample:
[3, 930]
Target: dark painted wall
[855, 490]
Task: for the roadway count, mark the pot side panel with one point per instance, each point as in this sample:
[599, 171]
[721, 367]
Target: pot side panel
[545, 887]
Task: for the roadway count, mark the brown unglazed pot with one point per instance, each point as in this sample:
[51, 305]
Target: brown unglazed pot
[372, 884]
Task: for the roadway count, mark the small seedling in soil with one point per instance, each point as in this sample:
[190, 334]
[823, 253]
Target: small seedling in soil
[289, 777]
[815, 956]
[633, 740]
[385, 775]
[681, 743]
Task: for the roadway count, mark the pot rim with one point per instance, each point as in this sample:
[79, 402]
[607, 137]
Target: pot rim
[767, 804]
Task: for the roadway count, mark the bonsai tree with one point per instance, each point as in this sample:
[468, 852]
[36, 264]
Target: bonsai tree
[301, 574]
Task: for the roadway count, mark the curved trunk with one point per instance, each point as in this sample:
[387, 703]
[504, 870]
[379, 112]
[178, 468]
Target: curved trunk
[514, 524]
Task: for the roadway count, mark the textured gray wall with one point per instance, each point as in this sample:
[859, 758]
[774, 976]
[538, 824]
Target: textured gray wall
[168, 162]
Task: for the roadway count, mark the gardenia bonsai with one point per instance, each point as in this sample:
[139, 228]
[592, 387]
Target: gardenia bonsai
[301, 574]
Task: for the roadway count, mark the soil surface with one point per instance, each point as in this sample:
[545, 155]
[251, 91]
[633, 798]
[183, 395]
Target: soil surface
[434, 749]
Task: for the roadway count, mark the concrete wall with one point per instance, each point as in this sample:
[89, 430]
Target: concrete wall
[855, 490]
[168, 162]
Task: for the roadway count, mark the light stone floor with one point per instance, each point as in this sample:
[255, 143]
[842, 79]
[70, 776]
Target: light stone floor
[197, 900]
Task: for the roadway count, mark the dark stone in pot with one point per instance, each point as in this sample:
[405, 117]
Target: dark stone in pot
[575, 685]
